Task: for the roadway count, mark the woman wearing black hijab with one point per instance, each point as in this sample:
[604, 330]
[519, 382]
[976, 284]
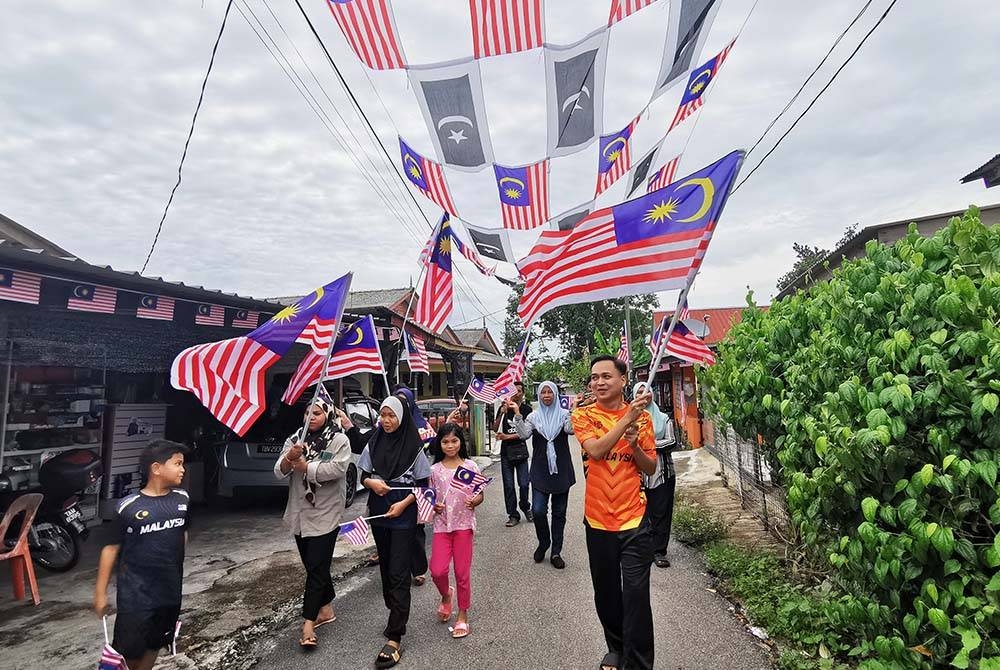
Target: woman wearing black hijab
[394, 461]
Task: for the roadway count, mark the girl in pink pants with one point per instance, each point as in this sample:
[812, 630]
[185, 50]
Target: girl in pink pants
[454, 526]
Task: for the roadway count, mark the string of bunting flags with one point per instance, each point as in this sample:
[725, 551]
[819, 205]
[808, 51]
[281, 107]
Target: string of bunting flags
[36, 289]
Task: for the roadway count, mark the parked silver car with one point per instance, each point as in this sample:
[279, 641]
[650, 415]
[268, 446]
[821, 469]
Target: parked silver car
[247, 463]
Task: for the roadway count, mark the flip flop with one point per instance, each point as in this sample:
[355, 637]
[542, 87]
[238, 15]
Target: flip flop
[460, 630]
[308, 642]
[444, 611]
[419, 580]
[388, 657]
[324, 622]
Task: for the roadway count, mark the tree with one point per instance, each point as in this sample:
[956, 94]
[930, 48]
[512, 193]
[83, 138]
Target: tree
[807, 257]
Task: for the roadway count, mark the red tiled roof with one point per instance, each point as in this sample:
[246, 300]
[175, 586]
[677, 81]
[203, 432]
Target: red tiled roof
[719, 320]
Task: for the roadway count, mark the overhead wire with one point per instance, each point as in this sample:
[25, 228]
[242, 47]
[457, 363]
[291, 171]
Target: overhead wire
[818, 96]
[187, 142]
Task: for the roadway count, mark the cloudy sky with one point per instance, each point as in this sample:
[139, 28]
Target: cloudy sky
[96, 99]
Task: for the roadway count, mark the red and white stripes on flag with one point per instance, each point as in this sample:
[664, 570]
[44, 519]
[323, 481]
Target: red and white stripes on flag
[621, 160]
[536, 213]
[664, 176]
[342, 364]
[227, 377]
[435, 302]
[586, 264]
[355, 532]
[426, 497]
[437, 188]
[624, 354]
[687, 346]
[505, 26]
[623, 8]
[246, 319]
[416, 353]
[482, 391]
[370, 30]
[91, 298]
[514, 372]
[210, 315]
[18, 286]
[155, 307]
[689, 108]
[318, 334]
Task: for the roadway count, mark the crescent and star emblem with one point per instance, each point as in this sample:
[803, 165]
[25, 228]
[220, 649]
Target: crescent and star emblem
[148, 301]
[457, 135]
[81, 292]
[360, 336]
[664, 211]
[319, 296]
[412, 166]
[511, 192]
[612, 154]
[697, 85]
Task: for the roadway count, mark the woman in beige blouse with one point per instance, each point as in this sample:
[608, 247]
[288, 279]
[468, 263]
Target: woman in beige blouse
[315, 467]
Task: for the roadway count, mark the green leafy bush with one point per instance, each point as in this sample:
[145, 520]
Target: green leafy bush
[876, 396]
[696, 525]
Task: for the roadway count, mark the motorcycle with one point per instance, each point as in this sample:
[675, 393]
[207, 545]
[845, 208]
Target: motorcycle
[57, 534]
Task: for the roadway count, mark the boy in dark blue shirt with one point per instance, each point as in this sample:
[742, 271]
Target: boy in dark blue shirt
[148, 547]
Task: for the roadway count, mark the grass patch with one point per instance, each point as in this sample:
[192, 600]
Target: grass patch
[817, 627]
[696, 525]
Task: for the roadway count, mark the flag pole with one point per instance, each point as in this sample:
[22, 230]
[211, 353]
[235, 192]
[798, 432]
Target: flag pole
[661, 346]
[378, 348]
[329, 351]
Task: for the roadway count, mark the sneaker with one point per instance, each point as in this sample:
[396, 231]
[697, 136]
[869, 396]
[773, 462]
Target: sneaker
[539, 555]
[557, 562]
[529, 516]
[512, 521]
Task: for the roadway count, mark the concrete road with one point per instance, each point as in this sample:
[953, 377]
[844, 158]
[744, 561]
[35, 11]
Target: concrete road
[525, 615]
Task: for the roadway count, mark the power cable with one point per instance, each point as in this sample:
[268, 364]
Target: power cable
[187, 142]
[818, 95]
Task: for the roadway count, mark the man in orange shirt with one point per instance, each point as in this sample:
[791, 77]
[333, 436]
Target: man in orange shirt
[618, 443]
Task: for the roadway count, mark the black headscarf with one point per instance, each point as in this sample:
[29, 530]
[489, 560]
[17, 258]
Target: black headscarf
[393, 453]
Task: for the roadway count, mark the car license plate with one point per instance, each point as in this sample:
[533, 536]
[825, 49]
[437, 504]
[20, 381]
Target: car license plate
[71, 514]
[270, 448]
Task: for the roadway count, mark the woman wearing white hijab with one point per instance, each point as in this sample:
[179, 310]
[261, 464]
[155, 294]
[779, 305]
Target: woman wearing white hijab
[551, 472]
[661, 484]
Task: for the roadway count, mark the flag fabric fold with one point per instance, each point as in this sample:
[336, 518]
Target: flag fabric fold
[370, 31]
[416, 353]
[435, 302]
[469, 481]
[228, 376]
[649, 244]
[355, 350]
[426, 498]
[355, 532]
[514, 372]
[482, 390]
[427, 176]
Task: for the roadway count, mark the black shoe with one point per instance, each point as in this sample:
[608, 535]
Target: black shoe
[529, 517]
[512, 521]
[557, 562]
[539, 555]
[661, 561]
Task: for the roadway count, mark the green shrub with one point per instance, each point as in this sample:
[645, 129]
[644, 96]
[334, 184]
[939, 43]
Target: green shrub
[695, 525]
[876, 395]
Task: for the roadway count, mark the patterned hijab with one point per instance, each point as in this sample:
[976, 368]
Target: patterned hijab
[315, 443]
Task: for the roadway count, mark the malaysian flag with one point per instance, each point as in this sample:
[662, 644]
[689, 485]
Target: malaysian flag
[228, 376]
[482, 390]
[91, 298]
[467, 250]
[623, 8]
[624, 354]
[524, 195]
[514, 372]
[649, 244]
[435, 302]
[370, 30]
[664, 176]
[427, 176]
[425, 504]
[615, 157]
[210, 315]
[20, 286]
[469, 481]
[416, 353]
[246, 319]
[700, 78]
[355, 532]
[356, 350]
[111, 659]
[505, 26]
[155, 307]
[687, 346]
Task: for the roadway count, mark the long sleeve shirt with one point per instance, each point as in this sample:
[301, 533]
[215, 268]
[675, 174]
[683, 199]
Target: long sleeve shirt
[326, 474]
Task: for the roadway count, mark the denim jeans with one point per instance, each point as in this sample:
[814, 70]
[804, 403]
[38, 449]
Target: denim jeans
[539, 508]
[508, 471]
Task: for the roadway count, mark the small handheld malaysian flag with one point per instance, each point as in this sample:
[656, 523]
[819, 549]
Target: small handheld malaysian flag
[425, 504]
[110, 659]
[482, 390]
[469, 481]
[355, 532]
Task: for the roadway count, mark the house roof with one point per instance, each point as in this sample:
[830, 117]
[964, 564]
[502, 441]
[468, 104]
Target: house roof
[474, 337]
[12, 231]
[861, 238]
[988, 171]
[718, 319]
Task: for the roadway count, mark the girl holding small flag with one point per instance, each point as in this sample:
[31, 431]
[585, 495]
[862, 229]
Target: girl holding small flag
[315, 467]
[391, 464]
[454, 525]
[551, 472]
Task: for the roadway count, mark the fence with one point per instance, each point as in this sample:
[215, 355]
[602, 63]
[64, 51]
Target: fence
[748, 474]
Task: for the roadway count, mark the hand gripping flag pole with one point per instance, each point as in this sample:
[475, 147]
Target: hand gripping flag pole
[329, 352]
